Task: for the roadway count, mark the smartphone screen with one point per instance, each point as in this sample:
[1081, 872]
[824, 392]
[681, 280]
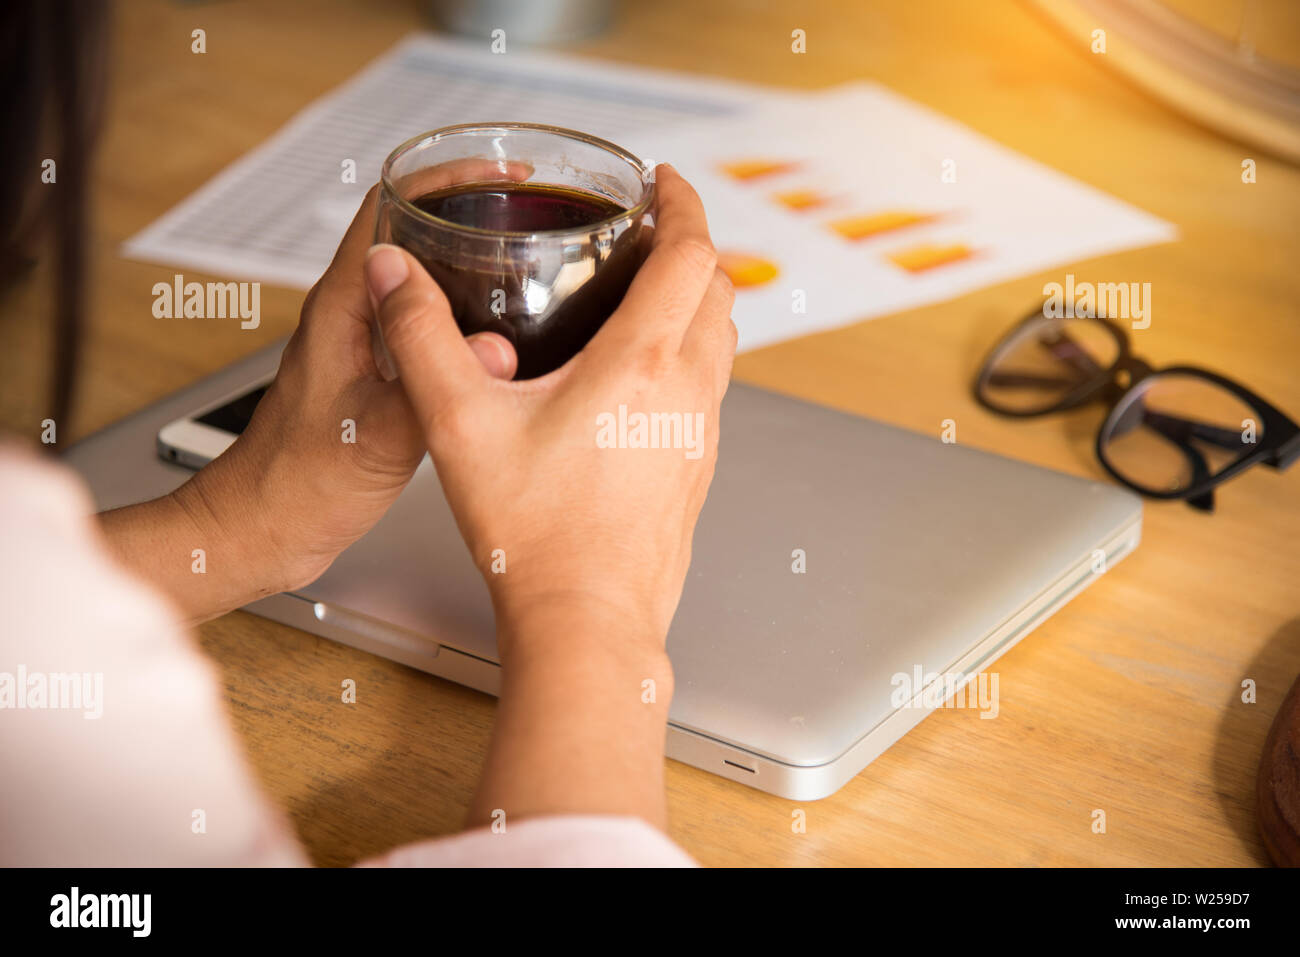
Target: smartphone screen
[234, 416]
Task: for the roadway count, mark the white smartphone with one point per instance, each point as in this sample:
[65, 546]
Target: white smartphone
[198, 438]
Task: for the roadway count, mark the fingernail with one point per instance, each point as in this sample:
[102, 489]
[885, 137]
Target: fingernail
[383, 358]
[492, 354]
[386, 269]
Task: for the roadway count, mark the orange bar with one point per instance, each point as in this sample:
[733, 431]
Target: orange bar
[928, 256]
[801, 199]
[861, 227]
[745, 170]
[745, 270]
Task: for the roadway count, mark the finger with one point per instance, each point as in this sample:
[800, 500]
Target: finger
[472, 170]
[437, 366]
[496, 353]
[667, 290]
[710, 341]
[645, 242]
[343, 283]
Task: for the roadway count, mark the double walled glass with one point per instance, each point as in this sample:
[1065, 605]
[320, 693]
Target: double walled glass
[547, 290]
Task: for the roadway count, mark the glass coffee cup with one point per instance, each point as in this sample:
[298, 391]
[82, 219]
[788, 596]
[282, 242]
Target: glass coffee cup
[533, 232]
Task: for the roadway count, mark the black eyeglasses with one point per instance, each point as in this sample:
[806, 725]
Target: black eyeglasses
[1172, 433]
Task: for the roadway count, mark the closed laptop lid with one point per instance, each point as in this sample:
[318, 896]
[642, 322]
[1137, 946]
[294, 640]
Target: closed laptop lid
[913, 552]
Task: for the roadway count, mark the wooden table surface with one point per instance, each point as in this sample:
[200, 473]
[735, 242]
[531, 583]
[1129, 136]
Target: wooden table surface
[1128, 700]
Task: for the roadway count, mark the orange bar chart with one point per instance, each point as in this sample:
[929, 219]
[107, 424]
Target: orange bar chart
[801, 200]
[746, 170]
[873, 224]
[745, 270]
[926, 256]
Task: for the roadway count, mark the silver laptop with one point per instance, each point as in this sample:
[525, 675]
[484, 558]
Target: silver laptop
[848, 577]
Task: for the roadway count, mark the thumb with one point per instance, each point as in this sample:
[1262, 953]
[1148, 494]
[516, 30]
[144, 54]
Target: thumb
[417, 331]
[496, 353]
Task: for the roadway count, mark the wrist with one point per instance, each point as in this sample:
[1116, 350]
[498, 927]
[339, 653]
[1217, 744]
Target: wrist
[586, 689]
[184, 547]
[573, 624]
[228, 516]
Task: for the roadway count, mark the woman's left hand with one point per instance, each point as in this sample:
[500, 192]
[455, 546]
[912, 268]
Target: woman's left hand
[330, 447]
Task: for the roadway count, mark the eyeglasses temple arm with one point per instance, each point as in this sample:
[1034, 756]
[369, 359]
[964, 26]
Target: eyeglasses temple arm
[1006, 379]
[1286, 453]
[1070, 352]
[1177, 428]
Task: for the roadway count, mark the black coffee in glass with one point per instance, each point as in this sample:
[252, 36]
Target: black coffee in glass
[532, 232]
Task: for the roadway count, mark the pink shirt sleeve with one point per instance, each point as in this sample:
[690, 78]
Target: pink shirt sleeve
[114, 740]
[112, 729]
[577, 841]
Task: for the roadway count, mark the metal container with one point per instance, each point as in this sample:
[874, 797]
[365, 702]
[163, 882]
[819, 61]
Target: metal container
[525, 21]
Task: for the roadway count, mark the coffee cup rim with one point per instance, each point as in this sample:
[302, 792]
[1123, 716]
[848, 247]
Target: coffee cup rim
[631, 213]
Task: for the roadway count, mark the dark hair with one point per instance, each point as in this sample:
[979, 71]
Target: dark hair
[52, 61]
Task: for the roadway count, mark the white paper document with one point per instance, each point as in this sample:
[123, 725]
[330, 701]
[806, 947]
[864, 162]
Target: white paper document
[278, 213]
[857, 202]
[827, 208]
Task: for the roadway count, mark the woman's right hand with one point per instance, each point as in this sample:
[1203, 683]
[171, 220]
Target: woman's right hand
[574, 522]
